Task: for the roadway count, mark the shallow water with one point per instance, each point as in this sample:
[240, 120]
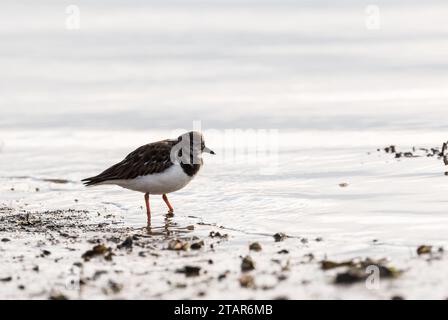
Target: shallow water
[399, 202]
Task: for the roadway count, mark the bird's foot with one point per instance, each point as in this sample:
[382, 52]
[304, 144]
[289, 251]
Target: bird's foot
[170, 213]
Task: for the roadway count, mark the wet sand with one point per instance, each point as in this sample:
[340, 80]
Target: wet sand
[75, 254]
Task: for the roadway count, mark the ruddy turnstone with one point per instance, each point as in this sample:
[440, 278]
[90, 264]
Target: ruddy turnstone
[157, 168]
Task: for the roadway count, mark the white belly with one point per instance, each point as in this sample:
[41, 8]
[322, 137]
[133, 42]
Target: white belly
[172, 179]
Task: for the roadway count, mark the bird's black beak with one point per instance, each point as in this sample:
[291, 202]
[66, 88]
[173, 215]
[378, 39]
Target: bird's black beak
[207, 150]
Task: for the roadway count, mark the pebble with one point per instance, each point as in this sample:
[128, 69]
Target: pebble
[255, 246]
[280, 236]
[247, 281]
[247, 264]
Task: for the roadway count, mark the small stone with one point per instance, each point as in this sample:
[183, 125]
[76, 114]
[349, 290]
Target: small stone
[247, 264]
[178, 245]
[282, 277]
[126, 244]
[222, 276]
[280, 236]
[390, 149]
[214, 234]
[349, 277]
[114, 286]
[424, 249]
[247, 281]
[98, 274]
[45, 253]
[97, 250]
[343, 184]
[108, 256]
[58, 296]
[189, 271]
[255, 246]
[197, 245]
[7, 279]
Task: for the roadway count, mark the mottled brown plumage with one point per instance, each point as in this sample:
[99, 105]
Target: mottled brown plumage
[148, 159]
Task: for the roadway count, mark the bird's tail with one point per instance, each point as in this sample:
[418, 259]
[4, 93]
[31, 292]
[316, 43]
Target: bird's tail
[91, 181]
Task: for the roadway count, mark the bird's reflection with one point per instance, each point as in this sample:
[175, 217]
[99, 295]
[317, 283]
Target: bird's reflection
[169, 227]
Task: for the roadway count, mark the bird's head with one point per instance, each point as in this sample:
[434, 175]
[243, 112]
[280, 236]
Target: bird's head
[194, 141]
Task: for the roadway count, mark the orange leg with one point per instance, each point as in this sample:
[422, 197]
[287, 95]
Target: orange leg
[148, 210]
[170, 208]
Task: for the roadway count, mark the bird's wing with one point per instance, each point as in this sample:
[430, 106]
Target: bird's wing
[148, 159]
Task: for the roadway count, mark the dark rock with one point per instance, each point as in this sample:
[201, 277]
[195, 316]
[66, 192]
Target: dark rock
[58, 296]
[177, 245]
[424, 249]
[98, 274]
[98, 250]
[189, 271]
[390, 149]
[126, 244]
[222, 276]
[247, 264]
[197, 245]
[114, 287]
[280, 236]
[358, 272]
[247, 281]
[327, 264]
[7, 279]
[45, 253]
[350, 276]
